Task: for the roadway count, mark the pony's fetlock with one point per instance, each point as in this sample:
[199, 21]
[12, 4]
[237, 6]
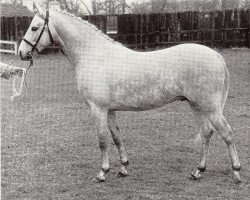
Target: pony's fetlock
[196, 175]
[237, 178]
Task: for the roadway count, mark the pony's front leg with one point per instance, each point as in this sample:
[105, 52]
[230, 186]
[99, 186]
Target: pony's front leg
[115, 132]
[100, 117]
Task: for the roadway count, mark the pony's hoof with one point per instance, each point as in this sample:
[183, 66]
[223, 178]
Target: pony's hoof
[237, 178]
[120, 175]
[238, 181]
[196, 175]
[98, 180]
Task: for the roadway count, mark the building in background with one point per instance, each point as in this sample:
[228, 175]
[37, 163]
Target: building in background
[28, 4]
[15, 20]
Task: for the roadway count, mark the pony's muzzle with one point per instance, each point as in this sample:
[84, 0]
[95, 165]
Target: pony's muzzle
[28, 56]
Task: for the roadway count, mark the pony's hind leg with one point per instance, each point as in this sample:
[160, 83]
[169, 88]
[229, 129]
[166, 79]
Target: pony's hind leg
[225, 130]
[205, 132]
[115, 132]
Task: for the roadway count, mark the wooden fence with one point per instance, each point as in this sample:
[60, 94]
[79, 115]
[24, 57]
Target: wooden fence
[8, 47]
[228, 28]
[14, 28]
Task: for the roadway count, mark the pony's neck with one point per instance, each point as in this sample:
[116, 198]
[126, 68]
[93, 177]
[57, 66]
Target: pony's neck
[78, 38]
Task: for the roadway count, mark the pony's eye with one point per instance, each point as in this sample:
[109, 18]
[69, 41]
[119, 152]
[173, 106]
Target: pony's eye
[34, 28]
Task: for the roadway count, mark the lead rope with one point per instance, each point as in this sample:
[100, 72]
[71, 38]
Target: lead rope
[15, 92]
[6, 67]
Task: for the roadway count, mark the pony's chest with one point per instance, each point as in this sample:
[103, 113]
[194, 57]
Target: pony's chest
[93, 85]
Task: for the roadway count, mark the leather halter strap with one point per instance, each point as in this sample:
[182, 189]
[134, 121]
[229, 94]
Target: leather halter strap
[45, 26]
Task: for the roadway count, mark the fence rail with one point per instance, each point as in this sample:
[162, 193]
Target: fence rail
[6, 45]
[14, 28]
[214, 38]
[230, 28]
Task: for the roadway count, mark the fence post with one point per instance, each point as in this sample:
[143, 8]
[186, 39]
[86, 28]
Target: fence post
[212, 17]
[15, 47]
[224, 27]
[16, 32]
[248, 29]
[141, 28]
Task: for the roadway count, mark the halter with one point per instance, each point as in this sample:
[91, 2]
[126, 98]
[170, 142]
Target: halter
[45, 26]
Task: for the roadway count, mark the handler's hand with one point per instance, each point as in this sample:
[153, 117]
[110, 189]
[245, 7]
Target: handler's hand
[18, 71]
[6, 73]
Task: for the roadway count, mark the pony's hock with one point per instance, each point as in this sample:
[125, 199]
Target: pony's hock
[132, 81]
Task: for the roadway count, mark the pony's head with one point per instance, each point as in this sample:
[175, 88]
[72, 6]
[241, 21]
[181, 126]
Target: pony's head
[38, 35]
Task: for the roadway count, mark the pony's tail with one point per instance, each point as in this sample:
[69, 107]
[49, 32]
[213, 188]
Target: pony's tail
[197, 139]
[226, 83]
[225, 88]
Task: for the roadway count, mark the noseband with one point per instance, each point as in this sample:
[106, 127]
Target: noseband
[45, 26]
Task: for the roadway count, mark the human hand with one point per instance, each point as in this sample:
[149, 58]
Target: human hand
[17, 71]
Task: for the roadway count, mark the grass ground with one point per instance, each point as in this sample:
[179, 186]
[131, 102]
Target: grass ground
[49, 147]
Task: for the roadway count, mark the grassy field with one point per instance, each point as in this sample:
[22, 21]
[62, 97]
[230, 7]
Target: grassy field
[49, 147]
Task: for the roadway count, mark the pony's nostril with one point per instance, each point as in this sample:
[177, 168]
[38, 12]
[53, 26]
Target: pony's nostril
[25, 57]
[21, 55]
[29, 56]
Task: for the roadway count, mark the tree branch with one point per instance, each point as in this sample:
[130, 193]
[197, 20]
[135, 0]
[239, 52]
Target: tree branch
[85, 6]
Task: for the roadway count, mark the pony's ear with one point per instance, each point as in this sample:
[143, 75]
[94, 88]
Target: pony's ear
[41, 12]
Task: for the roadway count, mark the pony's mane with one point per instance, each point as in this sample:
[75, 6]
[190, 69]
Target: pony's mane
[85, 22]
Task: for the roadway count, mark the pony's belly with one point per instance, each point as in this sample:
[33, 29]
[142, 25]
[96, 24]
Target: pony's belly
[136, 107]
[145, 101]
[147, 93]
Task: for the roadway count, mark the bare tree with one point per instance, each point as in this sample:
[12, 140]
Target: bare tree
[230, 4]
[201, 5]
[71, 6]
[138, 7]
[247, 4]
[207, 5]
[85, 6]
[14, 2]
[124, 5]
[109, 6]
[165, 5]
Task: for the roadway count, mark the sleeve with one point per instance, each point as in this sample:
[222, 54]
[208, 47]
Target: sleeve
[5, 70]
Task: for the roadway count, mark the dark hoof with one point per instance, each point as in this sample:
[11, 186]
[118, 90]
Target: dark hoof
[195, 176]
[237, 178]
[238, 181]
[120, 175]
[98, 180]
